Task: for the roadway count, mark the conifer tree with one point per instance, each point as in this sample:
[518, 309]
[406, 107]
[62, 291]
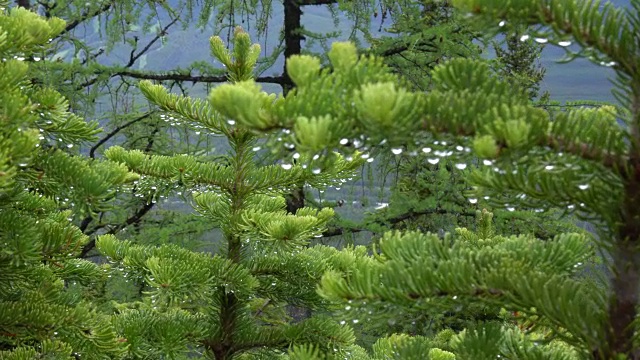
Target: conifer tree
[46, 293]
[232, 304]
[584, 160]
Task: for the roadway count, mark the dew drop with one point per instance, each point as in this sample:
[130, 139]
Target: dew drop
[524, 37]
[287, 166]
[316, 171]
[396, 151]
[583, 186]
[461, 166]
[256, 148]
[549, 167]
[426, 150]
[231, 122]
[344, 141]
[564, 43]
[473, 200]
[502, 23]
[541, 40]
[433, 161]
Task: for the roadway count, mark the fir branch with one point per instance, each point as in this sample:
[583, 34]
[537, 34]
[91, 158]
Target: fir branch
[177, 76]
[345, 229]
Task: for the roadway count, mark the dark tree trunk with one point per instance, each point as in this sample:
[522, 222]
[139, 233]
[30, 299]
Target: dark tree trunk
[24, 3]
[623, 306]
[292, 37]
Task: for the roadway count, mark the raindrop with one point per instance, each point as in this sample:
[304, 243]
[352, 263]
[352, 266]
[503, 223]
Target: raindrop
[541, 40]
[397, 151]
[549, 167]
[564, 43]
[459, 148]
[355, 321]
[316, 171]
[365, 156]
[524, 37]
[502, 23]
[296, 155]
[348, 307]
[426, 150]
[344, 141]
[287, 166]
[433, 161]
[511, 209]
[487, 162]
[473, 200]
[231, 122]
[69, 146]
[256, 148]
[370, 160]
[583, 186]
[342, 322]
[461, 166]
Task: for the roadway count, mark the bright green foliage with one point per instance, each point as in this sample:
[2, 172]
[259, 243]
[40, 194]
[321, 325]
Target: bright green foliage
[45, 311]
[472, 275]
[426, 34]
[584, 160]
[232, 304]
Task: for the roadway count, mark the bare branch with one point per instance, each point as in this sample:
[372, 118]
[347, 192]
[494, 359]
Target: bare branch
[116, 131]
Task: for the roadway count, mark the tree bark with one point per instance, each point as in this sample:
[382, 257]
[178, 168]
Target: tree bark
[24, 3]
